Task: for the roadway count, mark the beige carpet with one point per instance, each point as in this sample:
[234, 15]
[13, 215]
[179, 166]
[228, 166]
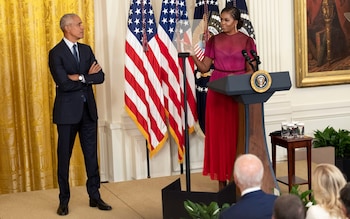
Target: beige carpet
[130, 200]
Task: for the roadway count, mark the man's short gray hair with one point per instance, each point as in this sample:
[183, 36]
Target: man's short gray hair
[65, 20]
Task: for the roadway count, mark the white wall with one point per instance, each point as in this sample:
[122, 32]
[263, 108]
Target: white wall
[123, 150]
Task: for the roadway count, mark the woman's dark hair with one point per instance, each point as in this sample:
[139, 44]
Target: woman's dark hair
[345, 197]
[235, 13]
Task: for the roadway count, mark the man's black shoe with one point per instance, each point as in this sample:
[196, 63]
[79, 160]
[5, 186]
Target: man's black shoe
[100, 204]
[62, 210]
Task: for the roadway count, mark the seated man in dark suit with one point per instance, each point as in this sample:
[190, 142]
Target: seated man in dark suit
[254, 203]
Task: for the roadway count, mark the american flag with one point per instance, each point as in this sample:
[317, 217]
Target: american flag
[247, 27]
[174, 31]
[143, 95]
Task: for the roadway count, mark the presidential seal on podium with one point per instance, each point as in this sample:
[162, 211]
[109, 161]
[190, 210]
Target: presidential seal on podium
[260, 81]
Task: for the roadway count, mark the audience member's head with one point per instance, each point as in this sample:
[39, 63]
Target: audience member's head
[345, 198]
[288, 206]
[248, 171]
[327, 181]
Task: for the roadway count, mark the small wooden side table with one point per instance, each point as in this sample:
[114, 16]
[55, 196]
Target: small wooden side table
[291, 144]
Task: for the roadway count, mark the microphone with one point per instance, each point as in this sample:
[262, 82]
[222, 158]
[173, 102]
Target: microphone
[256, 57]
[248, 59]
[246, 56]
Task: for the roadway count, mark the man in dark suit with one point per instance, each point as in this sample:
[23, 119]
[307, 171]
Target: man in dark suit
[74, 69]
[254, 203]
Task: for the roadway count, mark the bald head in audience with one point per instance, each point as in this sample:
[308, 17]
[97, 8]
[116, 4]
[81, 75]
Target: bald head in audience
[248, 171]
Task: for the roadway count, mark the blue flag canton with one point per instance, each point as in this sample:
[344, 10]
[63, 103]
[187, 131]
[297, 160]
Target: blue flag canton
[199, 9]
[141, 21]
[174, 18]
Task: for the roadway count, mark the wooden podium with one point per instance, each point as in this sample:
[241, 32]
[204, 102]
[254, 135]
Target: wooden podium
[251, 136]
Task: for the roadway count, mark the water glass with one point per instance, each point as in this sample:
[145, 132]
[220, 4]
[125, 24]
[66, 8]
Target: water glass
[291, 130]
[301, 129]
[284, 130]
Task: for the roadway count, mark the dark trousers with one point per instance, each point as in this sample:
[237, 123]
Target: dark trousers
[87, 129]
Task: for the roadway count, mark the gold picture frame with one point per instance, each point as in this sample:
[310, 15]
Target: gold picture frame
[304, 78]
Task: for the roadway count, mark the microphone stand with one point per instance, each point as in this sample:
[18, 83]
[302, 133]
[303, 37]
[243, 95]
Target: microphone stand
[183, 56]
[257, 65]
[251, 65]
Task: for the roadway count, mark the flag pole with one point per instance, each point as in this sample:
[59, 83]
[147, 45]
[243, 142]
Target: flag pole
[148, 166]
[183, 56]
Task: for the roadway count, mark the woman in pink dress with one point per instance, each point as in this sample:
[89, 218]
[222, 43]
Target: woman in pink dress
[224, 50]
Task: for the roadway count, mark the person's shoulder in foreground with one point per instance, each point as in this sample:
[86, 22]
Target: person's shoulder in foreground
[255, 205]
[316, 212]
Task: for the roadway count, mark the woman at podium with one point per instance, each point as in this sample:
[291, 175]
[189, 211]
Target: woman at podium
[224, 51]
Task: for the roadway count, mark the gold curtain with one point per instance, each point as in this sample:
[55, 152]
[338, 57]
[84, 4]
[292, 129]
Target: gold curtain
[28, 138]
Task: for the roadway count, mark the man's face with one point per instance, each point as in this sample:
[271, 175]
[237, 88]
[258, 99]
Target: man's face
[75, 29]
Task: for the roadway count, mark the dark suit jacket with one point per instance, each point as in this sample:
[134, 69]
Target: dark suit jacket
[253, 205]
[69, 102]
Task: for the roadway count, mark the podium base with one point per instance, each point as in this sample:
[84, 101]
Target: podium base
[173, 199]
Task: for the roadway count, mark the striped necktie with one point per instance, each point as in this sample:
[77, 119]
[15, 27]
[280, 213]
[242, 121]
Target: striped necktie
[75, 53]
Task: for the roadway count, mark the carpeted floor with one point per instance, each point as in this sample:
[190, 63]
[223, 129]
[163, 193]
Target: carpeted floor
[130, 200]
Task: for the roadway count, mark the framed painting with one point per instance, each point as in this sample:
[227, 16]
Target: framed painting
[322, 42]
